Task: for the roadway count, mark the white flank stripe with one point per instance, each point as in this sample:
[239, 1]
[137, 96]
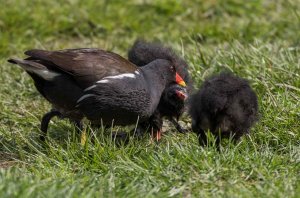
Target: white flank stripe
[85, 96]
[121, 76]
[89, 88]
[102, 81]
[126, 75]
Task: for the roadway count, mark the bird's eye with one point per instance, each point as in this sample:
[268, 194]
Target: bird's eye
[173, 68]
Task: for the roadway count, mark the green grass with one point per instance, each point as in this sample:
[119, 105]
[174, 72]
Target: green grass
[258, 40]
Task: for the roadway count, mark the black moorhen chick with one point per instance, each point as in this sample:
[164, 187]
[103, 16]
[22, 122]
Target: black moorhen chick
[173, 98]
[226, 105]
[97, 84]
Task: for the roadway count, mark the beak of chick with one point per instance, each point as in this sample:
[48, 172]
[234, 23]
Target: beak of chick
[179, 80]
[181, 95]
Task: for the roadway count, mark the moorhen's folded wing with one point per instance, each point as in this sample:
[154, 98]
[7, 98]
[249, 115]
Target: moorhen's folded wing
[86, 65]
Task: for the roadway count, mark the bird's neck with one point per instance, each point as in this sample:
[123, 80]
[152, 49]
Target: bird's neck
[155, 85]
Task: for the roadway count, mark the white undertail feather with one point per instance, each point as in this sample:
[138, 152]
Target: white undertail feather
[46, 74]
[38, 69]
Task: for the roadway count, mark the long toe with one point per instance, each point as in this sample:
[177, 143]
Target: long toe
[156, 136]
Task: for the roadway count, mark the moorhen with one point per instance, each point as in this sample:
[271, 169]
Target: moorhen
[173, 98]
[98, 84]
[226, 106]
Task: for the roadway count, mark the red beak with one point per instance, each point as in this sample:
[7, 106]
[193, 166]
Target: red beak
[181, 95]
[179, 80]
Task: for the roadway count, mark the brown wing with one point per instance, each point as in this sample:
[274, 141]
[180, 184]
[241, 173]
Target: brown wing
[86, 65]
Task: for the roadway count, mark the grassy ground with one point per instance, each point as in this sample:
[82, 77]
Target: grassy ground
[258, 40]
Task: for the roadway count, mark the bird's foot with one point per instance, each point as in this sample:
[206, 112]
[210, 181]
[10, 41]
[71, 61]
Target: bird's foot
[156, 136]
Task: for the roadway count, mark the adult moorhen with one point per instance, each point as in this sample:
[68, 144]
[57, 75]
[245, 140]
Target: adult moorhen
[226, 105]
[173, 98]
[98, 84]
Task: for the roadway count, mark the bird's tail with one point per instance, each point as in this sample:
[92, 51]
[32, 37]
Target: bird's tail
[35, 68]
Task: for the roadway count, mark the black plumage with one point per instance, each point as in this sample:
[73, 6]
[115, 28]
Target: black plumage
[225, 105]
[173, 99]
[97, 84]
[142, 53]
[127, 97]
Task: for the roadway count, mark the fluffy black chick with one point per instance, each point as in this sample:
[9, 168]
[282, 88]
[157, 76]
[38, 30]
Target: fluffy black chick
[225, 105]
[173, 99]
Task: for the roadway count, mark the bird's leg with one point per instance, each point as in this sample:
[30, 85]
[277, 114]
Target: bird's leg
[218, 143]
[156, 135]
[78, 126]
[120, 137]
[45, 122]
[140, 130]
[156, 123]
[200, 133]
[179, 128]
[202, 137]
[80, 131]
[237, 137]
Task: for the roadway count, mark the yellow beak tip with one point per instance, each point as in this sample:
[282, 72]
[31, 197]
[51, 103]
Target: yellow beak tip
[182, 83]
